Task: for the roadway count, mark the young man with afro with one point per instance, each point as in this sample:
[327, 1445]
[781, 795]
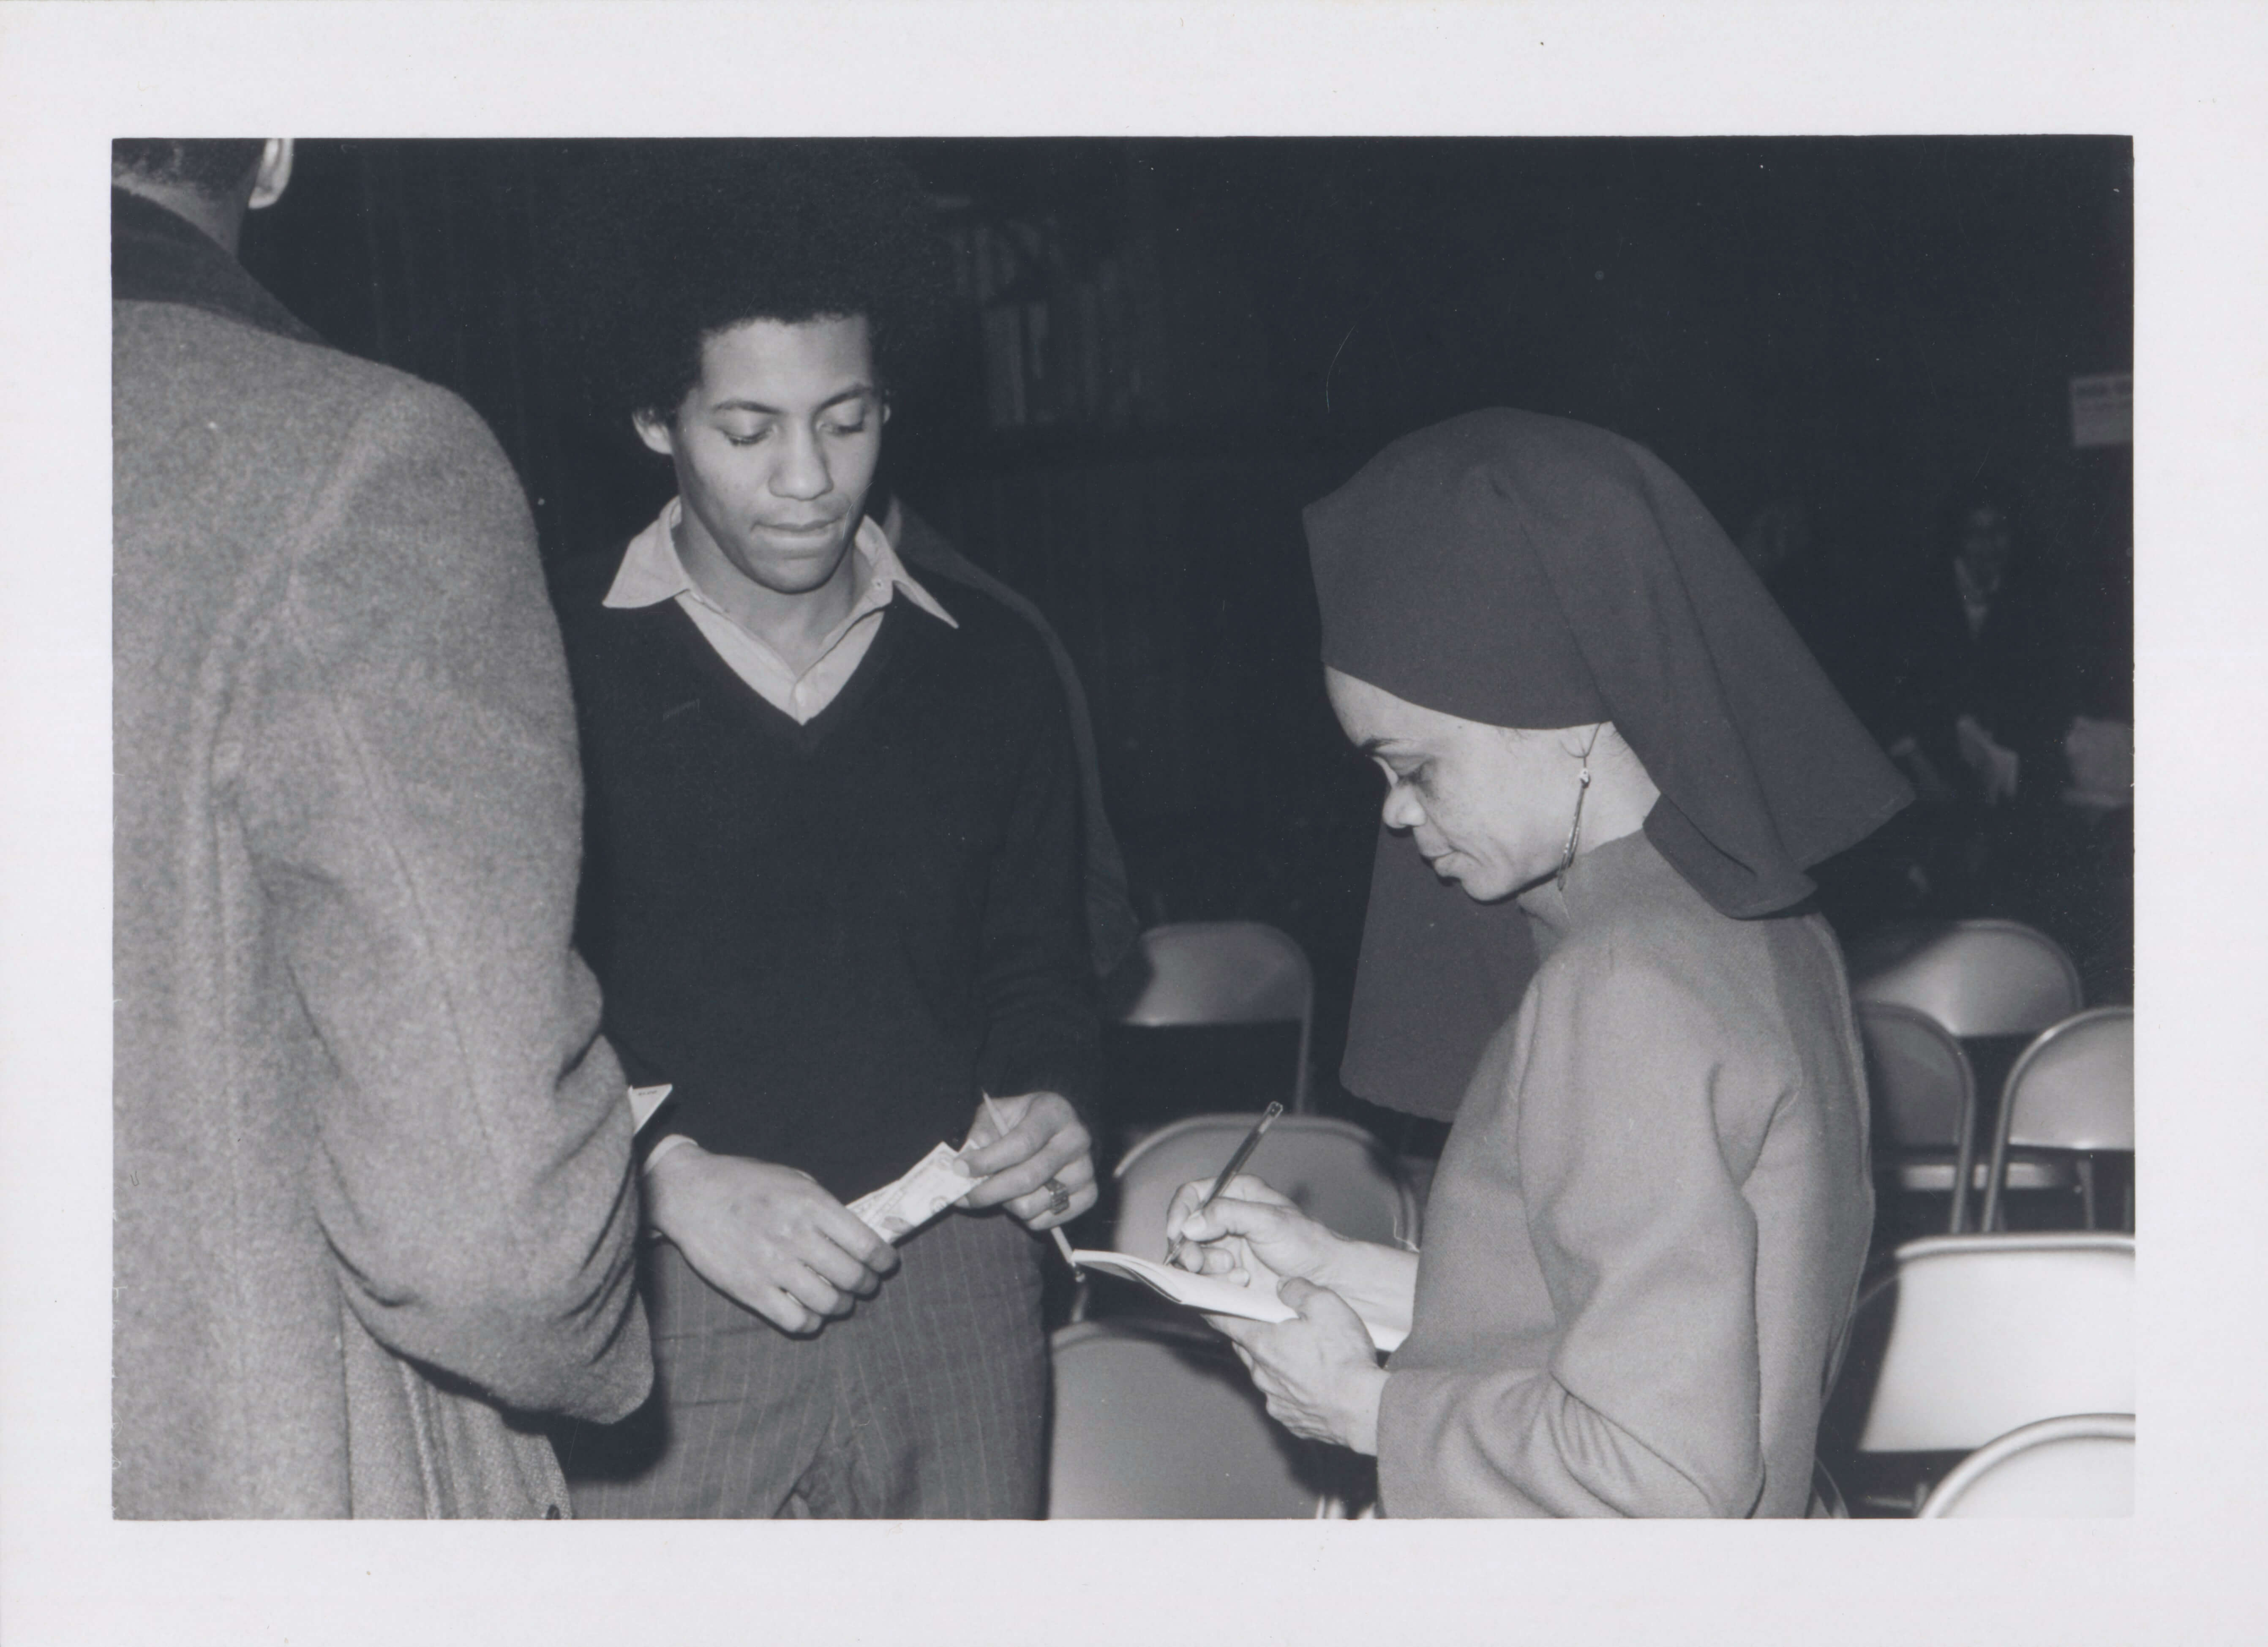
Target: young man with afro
[833, 879]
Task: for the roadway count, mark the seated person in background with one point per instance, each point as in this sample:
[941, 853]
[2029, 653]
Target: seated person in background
[832, 888]
[1647, 1230]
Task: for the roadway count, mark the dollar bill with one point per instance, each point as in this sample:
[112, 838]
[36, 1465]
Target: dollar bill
[925, 1191]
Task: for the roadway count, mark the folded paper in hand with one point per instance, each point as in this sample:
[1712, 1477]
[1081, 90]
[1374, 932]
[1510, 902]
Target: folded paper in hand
[1215, 1295]
[897, 1210]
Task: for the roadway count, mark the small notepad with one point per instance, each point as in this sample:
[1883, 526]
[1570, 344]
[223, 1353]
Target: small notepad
[1215, 1295]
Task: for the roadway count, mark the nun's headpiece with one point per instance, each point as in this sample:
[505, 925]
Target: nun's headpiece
[1524, 570]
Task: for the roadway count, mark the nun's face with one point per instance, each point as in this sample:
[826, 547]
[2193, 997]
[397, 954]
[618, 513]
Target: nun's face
[1488, 806]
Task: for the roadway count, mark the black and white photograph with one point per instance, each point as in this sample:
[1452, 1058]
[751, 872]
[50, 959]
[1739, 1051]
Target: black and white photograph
[1172, 855]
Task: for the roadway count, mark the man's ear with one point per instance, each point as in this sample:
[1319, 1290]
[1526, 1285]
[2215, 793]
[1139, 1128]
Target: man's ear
[273, 175]
[656, 432]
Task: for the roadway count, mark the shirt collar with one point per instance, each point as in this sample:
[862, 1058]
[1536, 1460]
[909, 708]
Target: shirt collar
[651, 572]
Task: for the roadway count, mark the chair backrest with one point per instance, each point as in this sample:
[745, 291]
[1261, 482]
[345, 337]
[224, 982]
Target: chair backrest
[1153, 1423]
[1918, 1085]
[1337, 1173]
[1218, 972]
[2073, 1088]
[2078, 1466]
[1970, 1337]
[1975, 977]
[1920, 1090]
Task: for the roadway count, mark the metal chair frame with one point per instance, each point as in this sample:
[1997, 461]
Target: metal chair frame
[1894, 983]
[1964, 1143]
[1988, 1461]
[1277, 1455]
[1913, 1424]
[2054, 1038]
[1157, 945]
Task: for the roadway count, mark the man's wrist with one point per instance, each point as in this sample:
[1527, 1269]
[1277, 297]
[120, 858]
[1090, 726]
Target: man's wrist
[666, 1146]
[665, 1165]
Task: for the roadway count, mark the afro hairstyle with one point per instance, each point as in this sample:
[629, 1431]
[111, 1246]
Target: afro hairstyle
[675, 240]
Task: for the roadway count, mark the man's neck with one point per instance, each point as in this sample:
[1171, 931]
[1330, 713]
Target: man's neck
[795, 626]
[221, 220]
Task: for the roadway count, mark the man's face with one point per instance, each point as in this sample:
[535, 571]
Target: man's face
[1487, 808]
[774, 447]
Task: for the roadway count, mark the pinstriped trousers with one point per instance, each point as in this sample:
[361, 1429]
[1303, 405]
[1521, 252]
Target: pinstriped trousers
[928, 1399]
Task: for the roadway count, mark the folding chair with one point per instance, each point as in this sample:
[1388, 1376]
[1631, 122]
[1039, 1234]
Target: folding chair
[1978, 978]
[2072, 1091]
[1923, 1099]
[1336, 1172]
[1991, 983]
[2059, 1468]
[1965, 1338]
[1202, 972]
[1152, 1422]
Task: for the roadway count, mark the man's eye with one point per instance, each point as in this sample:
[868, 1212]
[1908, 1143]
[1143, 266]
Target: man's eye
[858, 428]
[749, 439]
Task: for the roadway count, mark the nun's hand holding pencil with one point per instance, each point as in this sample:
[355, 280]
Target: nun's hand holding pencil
[1318, 1373]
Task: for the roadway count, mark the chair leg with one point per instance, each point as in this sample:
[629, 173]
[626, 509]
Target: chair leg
[2087, 1188]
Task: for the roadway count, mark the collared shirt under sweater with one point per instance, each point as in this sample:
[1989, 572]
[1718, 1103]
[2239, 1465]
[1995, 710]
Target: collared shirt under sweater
[830, 925]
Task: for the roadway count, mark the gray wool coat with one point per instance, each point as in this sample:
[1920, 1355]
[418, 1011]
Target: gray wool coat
[372, 1197]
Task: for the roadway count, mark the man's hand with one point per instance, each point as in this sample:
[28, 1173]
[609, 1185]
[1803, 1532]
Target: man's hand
[1045, 1141]
[767, 1237]
[1318, 1373]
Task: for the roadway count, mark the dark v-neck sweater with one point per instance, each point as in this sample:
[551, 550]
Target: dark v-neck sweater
[831, 937]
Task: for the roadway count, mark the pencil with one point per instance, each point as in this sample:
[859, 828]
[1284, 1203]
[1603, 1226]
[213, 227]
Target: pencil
[1236, 1165]
[1062, 1246]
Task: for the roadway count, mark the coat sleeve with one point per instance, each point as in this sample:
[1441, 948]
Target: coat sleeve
[1631, 1152]
[410, 795]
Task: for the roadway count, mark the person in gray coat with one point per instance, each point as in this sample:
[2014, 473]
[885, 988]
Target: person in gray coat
[372, 1197]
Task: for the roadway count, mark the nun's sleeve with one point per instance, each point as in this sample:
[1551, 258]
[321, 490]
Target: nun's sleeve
[1629, 1145]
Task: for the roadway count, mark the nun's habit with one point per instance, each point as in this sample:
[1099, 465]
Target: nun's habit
[1647, 1226]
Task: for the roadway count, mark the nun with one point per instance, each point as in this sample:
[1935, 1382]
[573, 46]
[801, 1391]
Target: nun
[1645, 1233]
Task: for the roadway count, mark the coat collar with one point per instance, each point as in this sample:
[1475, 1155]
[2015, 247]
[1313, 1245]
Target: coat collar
[1603, 878]
[159, 257]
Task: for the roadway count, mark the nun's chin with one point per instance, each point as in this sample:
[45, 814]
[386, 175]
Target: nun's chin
[1473, 881]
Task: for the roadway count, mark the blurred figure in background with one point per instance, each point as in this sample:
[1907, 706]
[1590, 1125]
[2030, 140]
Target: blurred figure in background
[372, 1160]
[2007, 698]
[1976, 695]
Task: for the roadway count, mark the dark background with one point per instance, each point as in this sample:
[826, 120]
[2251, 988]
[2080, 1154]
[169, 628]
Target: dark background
[1855, 322]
